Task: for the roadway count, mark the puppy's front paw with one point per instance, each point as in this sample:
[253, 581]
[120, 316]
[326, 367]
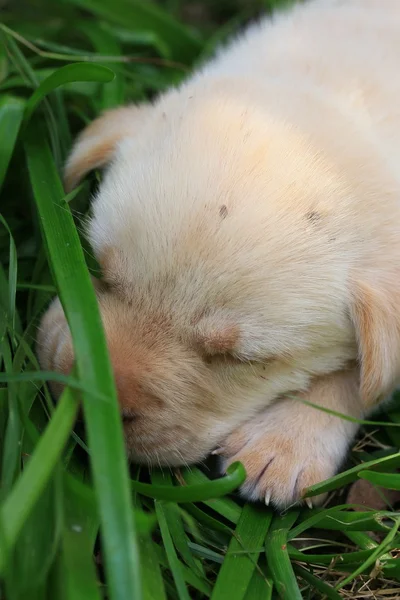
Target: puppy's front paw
[279, 468]
[284, 451]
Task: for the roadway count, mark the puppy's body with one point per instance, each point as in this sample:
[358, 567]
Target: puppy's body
[248, 227]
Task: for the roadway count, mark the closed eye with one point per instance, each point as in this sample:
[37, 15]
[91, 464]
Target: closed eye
[234, 359]
[128, 414]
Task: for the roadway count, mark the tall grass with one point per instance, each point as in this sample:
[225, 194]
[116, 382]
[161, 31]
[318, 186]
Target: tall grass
[76, 522]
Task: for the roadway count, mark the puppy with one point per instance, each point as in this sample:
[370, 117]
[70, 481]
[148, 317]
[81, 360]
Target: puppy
[248, 230]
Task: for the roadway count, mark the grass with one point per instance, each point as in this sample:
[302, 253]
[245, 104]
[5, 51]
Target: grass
[75, 521]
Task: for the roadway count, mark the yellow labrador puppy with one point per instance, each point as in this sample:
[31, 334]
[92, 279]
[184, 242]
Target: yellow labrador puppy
[248, 228]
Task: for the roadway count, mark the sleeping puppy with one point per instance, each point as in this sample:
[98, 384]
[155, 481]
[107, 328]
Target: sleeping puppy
[248, 230]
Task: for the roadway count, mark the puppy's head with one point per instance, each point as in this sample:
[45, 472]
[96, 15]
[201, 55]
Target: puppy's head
[235, 271]
[174, 406]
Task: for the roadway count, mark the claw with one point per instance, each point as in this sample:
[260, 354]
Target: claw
[267, 498]
[217, 451]
[309, 503]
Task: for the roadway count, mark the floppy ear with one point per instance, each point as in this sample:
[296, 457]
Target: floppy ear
[95, 146]
[376, 317]
[215, 335]
[222, 333]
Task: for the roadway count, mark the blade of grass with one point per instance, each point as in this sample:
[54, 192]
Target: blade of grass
[103, 420]
[206, 553]
[3, 63]
[145, 16]
[206, 519]
[76, 570]
[152, 579]
[349, 520]
[314, 516]
[260, 587]
[352, 474]
[153, 585]
[3, 415]
[37, 543]
[381, 549]
[28, 488]
[22, 285]
[12, 274]
[63, 75]
[28, 73]
[197, 492]
[328, 559]
[226, 507]
[317, 584]
[175, 525]
[171, 553]
[104, 43]
[343, 416]
[361, 539]
[11, 112]
[278, 557]
[191, 578]
[390, 481]
[11, 455]
[364, 541]
[237, 569]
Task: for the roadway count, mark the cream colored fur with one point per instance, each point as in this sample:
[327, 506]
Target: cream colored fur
[248, 227]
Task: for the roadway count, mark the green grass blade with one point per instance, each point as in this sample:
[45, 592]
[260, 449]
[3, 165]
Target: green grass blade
[348, 520]
[11, 454]
[105, 44]
[260, 588]
[381, 549]
[390, 481]
[314, 516]
[103, 420]
[138, 15]
[278, 557]
[207, 553]
[242, 554]
[364, 541]
[152, 579]
[206, 519]
[12, 274]
[3, 63]
[189, 576]
[326, 590]
[67, 74]
[171, 553]
[197, 492]
[28, 488]
[36, 547]
[327, 559]
[11, 112]
[3, 417]
[69, 380]
[226, 507]
[76, 568]
[352, 475]
[153, 586]
[29, 74]
[176, 527]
